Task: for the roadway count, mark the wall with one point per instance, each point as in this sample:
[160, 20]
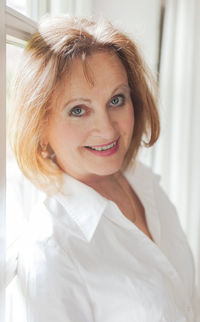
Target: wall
[139, 18]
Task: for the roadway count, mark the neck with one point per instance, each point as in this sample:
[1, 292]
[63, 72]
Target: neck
[105, 185]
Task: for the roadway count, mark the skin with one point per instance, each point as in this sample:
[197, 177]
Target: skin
[85, 114]
[95, 113]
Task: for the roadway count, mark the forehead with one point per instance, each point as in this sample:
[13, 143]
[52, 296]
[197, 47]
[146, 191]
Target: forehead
[99, 70]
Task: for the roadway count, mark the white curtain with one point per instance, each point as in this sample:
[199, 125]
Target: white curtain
[177, 157]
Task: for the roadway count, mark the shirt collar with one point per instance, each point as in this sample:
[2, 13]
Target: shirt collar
[84, 205]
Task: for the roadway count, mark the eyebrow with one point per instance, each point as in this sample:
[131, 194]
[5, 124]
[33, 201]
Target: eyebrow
[123, 86]
[73, 100]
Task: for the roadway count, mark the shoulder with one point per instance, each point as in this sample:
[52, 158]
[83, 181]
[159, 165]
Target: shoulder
[41, 256]
[150, 182]
[172, 238]
[50, 281]
[160, 211]
[142, 172]
[143, 179]
[40, 262]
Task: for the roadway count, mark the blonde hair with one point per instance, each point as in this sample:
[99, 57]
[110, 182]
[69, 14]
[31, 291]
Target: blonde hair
[46, 60]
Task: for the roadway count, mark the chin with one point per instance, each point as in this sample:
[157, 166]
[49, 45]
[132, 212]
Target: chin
[106, 171]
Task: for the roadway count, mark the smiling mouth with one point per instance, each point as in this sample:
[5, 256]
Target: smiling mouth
[103, 147]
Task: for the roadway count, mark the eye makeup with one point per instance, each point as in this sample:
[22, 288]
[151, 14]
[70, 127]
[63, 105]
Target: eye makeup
[77, 111]
[118, 100]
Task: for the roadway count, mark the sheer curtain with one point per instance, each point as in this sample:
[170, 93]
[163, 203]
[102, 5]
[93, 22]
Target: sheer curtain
[177, 157]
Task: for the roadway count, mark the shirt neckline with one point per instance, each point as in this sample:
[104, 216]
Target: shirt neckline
[86, 206]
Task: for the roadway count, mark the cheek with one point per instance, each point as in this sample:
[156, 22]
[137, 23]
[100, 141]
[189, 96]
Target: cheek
[65, 136]
[127, 121]
[131, 119]
[131, 116]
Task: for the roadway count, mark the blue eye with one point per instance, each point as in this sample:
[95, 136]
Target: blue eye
[77, 111]
[117, 100]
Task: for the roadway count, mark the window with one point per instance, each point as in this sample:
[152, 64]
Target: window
[15, 30]
[20, 6]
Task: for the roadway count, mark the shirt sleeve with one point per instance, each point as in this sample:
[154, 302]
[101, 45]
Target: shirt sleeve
[51, 285]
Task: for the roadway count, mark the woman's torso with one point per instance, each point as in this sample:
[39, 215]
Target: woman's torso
[98, 265]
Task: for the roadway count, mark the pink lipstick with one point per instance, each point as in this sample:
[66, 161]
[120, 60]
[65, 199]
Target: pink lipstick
[104, 149]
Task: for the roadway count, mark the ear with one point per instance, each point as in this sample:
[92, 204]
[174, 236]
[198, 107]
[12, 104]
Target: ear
[45, 141]
[44, 138]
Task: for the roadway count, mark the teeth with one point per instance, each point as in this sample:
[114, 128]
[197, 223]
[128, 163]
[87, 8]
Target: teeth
[103, 148]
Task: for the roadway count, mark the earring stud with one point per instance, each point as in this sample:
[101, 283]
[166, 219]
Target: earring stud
[44, 152]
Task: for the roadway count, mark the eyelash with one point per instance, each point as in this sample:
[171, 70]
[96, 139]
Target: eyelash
[76, 108]
[121, 96]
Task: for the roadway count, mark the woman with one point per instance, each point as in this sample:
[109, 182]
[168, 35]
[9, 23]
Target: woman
[106, 243]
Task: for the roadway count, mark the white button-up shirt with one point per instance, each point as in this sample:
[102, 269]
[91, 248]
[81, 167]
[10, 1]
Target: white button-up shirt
[84, 261]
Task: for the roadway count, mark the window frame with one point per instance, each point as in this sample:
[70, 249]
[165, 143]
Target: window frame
[17, 25]
[2, 157]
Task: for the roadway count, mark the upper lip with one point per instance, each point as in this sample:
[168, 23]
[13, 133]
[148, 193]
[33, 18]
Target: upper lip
[102, 145]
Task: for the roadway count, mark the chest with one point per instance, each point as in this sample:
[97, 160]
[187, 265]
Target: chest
[126, 279]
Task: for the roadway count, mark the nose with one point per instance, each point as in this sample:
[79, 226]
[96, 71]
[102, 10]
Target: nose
[104, 126]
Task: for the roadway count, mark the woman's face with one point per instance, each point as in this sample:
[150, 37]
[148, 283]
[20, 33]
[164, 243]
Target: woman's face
[90, 126]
